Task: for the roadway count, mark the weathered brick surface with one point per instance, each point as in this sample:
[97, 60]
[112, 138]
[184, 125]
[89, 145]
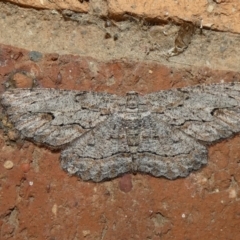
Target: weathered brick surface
[220, 14]
[40, 201]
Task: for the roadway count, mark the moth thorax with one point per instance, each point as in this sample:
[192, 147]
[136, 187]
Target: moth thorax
[132, 100]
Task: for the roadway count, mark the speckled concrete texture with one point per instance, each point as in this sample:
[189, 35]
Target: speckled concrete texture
[38, 200]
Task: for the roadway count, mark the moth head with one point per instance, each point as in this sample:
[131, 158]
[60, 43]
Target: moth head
[132, 100]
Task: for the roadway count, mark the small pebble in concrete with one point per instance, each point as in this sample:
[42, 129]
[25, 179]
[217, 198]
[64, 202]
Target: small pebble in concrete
[35, 56]
[25, 167]
[85, 233]
[54, 209]
[8, 164]
[210, 8]
[232, 193]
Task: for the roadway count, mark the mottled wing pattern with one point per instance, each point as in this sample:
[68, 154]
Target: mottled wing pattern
[182, 123]
[204, 112]
[167, 151]
[56, 117]
[101, 153]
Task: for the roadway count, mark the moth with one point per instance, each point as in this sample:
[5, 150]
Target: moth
[102, 136]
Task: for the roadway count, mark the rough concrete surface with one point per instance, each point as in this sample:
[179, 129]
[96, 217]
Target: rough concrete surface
[68, 50]
[67, 32]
